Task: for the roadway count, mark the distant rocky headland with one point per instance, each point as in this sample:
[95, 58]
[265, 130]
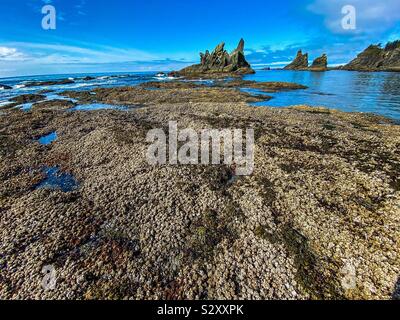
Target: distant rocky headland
[376, 58]
[219, 63]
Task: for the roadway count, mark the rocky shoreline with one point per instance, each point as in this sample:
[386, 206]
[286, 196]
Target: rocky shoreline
[376, 58]
[318, 219]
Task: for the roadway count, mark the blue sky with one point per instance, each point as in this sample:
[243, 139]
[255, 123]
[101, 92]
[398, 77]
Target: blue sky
[133, 35]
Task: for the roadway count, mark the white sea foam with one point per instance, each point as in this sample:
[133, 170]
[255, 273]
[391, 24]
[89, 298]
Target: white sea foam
[54, 96]
[26, 106]
[82, 85]
[4, 103]
[164, 78]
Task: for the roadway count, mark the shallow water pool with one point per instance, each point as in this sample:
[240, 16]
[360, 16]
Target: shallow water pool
[48, 139]
[57, 180]
[97, 106]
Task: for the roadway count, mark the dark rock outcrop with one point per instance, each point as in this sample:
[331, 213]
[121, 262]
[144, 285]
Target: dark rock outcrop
[299, 63]
[219, 62]
[376, 58]
[262, 86]
[54, 105]
[320, 63]
[27, 98]
[3, 86]
[49, 83]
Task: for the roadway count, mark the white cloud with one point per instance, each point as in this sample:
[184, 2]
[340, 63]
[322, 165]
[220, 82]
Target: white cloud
[373, 16]
[33, 58]
[48, 53]
[11, 54]
[280, 63]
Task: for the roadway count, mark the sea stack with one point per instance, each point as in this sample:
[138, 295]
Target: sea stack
[376, 58]
[299, 63]
[320, 63]
[219, 63]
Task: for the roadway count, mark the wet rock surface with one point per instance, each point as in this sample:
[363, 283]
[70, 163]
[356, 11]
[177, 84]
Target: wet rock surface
[172, 85]
[262, 86]
[319, 218]
[28, 98]
[173, 92]
[231, 84]
[54, 105]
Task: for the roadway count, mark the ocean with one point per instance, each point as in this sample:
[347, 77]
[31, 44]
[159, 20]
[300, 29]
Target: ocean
[377, 92]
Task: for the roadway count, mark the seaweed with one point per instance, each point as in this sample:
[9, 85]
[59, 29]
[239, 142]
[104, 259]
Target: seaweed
[312, 275]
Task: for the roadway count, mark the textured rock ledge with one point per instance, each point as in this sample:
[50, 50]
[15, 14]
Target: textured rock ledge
[319, 218]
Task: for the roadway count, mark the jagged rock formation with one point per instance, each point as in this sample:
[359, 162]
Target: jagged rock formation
[219, 62]
[376, 58]
[320, 64]
[299, 63]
